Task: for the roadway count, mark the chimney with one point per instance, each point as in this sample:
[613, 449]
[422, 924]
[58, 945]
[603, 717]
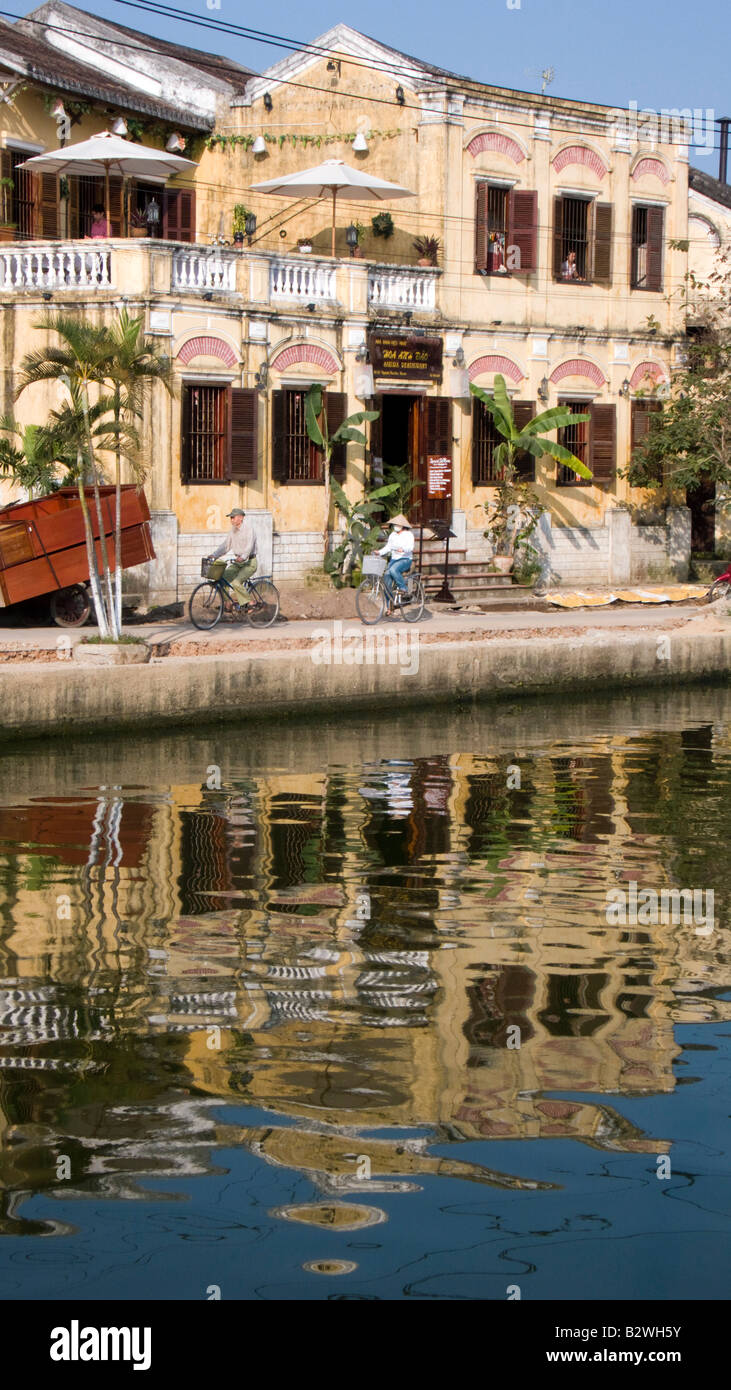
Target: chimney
[724, 123]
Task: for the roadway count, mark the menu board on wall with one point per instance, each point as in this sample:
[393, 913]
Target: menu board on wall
[438, 476]
[405, 357]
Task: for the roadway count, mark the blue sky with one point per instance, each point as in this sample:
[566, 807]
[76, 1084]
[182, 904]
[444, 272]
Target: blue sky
[657, 53]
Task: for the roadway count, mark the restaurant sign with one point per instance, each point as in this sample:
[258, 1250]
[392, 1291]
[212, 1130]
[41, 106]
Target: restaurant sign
[438, 476]
[405, 357]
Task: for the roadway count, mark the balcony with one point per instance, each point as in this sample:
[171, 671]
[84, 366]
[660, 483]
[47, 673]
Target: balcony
[142, 267]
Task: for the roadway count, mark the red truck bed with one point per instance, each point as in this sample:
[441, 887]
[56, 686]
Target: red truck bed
[42, 544]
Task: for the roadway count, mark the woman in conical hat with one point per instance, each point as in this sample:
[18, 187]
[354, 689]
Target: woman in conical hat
[400, 549]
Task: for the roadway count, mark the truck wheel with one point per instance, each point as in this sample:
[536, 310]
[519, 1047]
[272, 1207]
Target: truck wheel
[71, 607]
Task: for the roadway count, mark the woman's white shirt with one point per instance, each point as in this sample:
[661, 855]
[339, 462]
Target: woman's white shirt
[399, 543]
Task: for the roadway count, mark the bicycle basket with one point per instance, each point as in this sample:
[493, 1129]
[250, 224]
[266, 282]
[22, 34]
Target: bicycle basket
[373, 564]
[212, 569]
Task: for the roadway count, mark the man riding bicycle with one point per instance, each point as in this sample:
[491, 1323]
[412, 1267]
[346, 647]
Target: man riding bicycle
[240, 543]
[400, 547]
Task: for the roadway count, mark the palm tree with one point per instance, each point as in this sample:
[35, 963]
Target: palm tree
[136, 363]
[33, 461]
[81, 361]
[530, 438]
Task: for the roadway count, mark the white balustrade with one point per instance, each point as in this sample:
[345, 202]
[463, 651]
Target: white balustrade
[204, 270]
[401, 289]
[55, 268]
[312, 282]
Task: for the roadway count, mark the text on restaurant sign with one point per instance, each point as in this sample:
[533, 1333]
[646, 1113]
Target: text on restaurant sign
[402, 357]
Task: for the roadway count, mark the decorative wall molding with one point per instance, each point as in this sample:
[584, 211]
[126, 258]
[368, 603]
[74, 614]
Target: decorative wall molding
[304, 352]
[578, 366]
[650, 165]
[496, 142]
[206, 346]
[493, 362]
[647, 369]
[580, 154]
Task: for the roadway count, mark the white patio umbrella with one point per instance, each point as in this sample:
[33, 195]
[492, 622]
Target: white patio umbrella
[109, 154]
[333, 176]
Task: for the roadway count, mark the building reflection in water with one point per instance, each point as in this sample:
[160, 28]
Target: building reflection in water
[353, 951]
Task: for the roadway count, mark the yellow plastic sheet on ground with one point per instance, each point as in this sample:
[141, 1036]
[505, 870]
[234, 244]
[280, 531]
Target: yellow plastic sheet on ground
[664, 593]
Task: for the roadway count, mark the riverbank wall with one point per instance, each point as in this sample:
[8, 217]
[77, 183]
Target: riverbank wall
[61, 697]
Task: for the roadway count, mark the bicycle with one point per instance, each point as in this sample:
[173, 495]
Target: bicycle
[208, 600]
[371, 597]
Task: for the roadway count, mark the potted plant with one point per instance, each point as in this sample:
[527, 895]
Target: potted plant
[239, 223]
[361, 231]
[7, 228]
[427, 249]
[382, 224]
[137, 223]
[304, 244]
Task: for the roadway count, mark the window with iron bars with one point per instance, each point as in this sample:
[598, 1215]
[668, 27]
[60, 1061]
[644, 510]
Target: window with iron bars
[574, 437]
[205, 433]
[575, 239]
[485, 440]
[302, 461]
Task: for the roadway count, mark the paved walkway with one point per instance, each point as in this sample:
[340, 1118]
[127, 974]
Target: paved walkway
[16, 640]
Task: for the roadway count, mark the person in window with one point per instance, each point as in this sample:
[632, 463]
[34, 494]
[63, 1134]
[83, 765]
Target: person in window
[99, 225]
[569, 269]
[400, 548]
[240, 544]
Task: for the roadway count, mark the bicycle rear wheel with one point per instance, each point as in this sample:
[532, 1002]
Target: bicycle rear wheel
[205, 606]
[411, 612]
[263, 604]
[370, 599]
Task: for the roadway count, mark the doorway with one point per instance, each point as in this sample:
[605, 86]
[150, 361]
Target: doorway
[409, 430]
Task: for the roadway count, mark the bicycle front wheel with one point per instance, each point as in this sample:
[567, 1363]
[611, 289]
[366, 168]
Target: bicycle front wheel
[411, 612]
[263, 604]
[205, 606]
[370, 600]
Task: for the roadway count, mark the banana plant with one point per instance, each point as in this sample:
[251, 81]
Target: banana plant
[317, 430]
[362, 532]
[530, 438]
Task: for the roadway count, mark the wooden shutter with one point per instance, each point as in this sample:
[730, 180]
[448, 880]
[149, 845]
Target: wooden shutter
[477, 412]
[523, 411]
[557, 237]
[603, 217]
[481, 243]
[280, 453]
[243, 418]
[115, 205]
[73, 229]
[184, 434]
[655, 224]
[522, 231]
[376, 444]
[7, 199]
[603, 442]
[336, 409]
[178, 218]
[437, 436]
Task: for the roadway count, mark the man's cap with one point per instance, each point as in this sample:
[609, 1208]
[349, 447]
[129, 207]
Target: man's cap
[237, 511]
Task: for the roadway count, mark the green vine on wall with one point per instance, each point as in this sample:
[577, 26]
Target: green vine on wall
[229, 142]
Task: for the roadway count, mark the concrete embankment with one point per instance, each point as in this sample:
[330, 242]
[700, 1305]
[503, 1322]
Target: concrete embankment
[59, 697]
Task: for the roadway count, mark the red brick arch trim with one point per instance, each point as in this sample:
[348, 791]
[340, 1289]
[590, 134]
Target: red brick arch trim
[207, 347]
[645, 369]
[580, 154]
[650, 166]
[496, 143]
[504, 365]
[578, 366]
[305, 352]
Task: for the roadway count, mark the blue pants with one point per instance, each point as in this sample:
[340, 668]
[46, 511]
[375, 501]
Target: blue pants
[395, 575]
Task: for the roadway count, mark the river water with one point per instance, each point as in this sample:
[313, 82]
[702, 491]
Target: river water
[379, 1008]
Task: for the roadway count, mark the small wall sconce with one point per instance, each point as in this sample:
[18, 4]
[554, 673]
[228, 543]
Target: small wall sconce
[360, 144]
[459, 359]
[250, 226]
[624, 389]
[351, 236]
[400, 96]
[119, 125]
[543, 390]
[268, 103]
[259, 146]
[261, 377]
[459, 377]
[334, 66]
[364, 384]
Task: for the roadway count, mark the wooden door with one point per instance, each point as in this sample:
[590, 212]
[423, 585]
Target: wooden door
[435, 443]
